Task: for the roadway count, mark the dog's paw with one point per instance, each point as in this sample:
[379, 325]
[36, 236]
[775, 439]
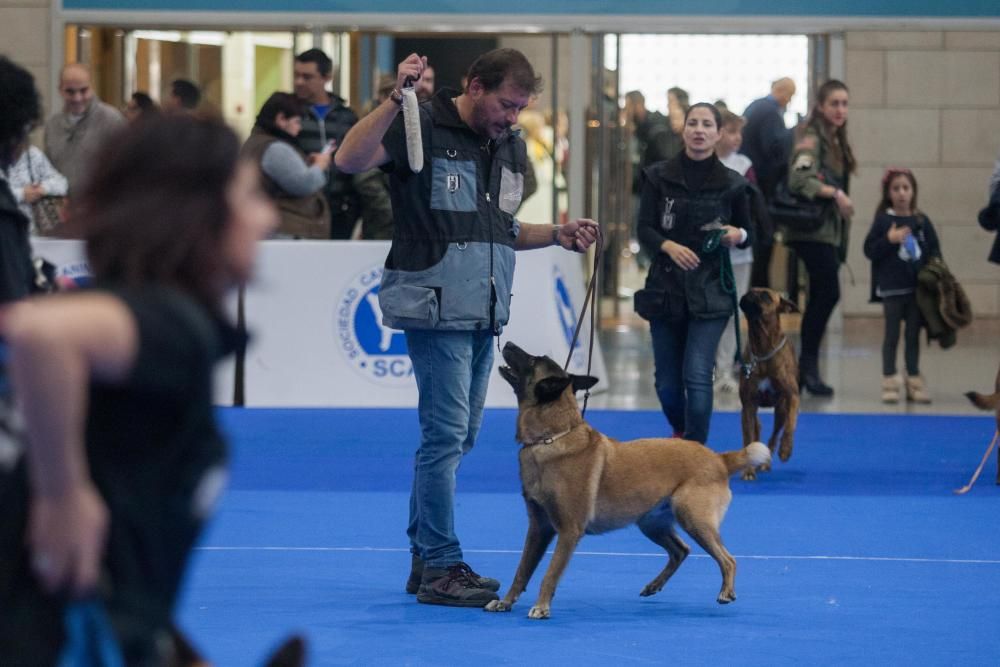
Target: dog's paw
[725, 597]
[650, 589]
[497, 605]
[749, 475]
[539, 613]
[785, 452]
[765, 467]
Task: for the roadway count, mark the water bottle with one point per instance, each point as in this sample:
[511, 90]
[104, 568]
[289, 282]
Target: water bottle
[912, 249]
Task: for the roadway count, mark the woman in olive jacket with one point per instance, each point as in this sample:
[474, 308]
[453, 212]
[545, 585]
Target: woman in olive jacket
[687, 203]
[820, 168]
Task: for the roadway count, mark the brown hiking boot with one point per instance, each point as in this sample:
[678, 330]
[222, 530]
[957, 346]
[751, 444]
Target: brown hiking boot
[417, 574]
[453, 586]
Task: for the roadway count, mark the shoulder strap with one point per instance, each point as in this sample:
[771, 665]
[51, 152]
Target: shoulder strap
[31, 172]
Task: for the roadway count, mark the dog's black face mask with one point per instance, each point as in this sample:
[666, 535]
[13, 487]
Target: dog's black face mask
[538, 377]
[757, 302]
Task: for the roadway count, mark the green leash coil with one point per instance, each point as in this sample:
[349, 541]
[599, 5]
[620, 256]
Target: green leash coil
[713, 243]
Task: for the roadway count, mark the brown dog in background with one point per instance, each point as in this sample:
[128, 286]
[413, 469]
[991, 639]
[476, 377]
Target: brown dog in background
[770, 376]
[578, 481]
[991, 402]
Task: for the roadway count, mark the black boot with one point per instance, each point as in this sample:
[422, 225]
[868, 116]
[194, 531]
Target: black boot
[809, 377]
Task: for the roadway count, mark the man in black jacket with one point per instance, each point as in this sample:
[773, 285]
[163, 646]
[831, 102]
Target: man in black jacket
[767, 142]
[326, 118]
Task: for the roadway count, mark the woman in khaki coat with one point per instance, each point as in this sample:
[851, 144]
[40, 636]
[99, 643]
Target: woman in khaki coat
[821, 165]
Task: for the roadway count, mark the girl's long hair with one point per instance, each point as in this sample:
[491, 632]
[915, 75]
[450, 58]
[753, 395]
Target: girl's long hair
[841, 152]
[887, 178]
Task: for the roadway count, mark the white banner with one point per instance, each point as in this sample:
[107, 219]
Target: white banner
[316, 333]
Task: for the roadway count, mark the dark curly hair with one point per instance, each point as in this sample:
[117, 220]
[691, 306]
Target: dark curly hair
[286, 104]
[20, 108]
[155, 209]
[496, 66]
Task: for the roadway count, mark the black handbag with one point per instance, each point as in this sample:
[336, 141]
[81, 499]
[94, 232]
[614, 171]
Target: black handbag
[797, 213]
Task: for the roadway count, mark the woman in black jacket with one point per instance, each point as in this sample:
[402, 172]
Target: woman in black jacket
[20, 108]
[692, 210]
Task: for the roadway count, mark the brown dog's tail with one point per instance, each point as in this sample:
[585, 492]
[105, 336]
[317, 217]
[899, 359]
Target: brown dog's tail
[754, 454]
[982, 401]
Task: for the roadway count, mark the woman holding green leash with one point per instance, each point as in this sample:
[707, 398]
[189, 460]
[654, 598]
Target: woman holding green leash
[690, 207]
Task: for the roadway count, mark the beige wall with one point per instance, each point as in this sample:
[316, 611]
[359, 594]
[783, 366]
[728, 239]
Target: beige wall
[25, 38]
[929, 101]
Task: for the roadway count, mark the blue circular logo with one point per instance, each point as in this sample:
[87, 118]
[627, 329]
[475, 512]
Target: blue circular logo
[374, 350]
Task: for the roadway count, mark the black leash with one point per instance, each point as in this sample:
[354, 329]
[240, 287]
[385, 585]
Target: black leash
[590, 300]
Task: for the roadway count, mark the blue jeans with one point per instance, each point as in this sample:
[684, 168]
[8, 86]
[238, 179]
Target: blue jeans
[684, 354]
[452, 369]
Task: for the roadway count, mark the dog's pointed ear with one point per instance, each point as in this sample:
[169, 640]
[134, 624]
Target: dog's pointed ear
[786, 306]
[583, 382]
[551, 388]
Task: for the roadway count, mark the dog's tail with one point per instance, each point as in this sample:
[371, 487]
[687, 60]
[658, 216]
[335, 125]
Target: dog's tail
[982, 401]
[754, 454]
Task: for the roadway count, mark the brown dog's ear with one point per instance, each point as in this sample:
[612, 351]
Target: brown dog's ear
[550, 389]
[583, 382]
[787, 306]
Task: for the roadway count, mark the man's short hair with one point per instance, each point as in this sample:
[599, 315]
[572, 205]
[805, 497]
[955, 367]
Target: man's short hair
[187, 92]
[323, 63]
[68, 66]
[494, 67]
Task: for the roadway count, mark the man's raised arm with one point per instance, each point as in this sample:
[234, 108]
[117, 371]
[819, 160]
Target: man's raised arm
[362, 147]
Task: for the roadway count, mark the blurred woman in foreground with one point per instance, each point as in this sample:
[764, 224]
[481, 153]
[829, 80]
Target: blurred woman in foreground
[124, 461]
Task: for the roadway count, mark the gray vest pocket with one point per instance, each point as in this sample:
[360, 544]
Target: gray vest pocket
[511, 190]
[410, 302]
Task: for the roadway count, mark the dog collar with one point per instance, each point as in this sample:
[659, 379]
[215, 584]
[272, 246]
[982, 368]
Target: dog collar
[754, 359]
[549, 439]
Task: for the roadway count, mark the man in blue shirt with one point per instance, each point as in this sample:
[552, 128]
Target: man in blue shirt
[326, 118]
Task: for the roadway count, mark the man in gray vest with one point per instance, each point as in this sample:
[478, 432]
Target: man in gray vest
[74, 135]
[448, 278]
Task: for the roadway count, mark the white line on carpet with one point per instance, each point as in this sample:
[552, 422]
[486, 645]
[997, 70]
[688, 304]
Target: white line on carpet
[890, 559]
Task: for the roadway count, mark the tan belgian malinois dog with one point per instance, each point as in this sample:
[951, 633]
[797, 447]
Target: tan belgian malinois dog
[770, 374]
[577, 480]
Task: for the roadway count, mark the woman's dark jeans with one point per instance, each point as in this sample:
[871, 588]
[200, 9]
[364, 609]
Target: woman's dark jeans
[684, 354]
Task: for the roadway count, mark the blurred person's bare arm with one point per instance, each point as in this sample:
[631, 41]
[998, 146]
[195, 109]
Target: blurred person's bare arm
[57, 346]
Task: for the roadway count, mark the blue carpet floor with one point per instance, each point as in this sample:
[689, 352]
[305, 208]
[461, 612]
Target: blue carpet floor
[854, 552]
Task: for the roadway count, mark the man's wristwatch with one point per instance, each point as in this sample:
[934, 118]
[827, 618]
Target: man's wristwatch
[555, 235]
[396, 97]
